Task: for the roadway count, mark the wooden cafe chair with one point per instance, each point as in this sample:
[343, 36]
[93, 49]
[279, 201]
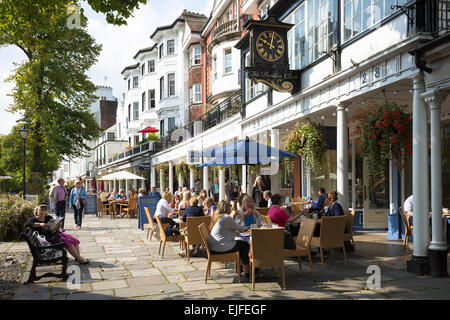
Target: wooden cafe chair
[331, 235]
[348, 235]
[266, 220]
[132, 208]
[220, 257]
[192, 235]
[164, 238]
[303, 243]
[151, 224]
[262, 211]
[267, 251]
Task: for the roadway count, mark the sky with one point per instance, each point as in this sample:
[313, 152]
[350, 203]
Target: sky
[120, 44]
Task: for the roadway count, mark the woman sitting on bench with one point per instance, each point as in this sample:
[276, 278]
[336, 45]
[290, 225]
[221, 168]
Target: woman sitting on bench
[40, 222]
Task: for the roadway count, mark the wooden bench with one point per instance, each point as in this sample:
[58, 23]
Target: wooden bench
[54, 254]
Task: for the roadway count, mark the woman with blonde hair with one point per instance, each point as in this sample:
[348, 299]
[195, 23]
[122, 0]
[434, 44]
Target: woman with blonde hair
[39, 223]
[202, 197]
[257, 193]
[247, 215]
[209, 206]
[223, 232]
[186, 197]
[132, 194]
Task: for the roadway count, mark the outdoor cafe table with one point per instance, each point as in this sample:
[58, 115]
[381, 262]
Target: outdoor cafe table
[122, 204]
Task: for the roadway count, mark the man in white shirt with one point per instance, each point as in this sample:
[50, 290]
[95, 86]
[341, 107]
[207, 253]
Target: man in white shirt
[408, 208]
[163, 210]
[267, 195]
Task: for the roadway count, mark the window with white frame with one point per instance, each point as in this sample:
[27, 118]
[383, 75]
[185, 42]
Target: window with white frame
[151, 99]
[135, 110]
[135, 82]
[171, 84]
[196, 93]
[129, 111]
[161, 88]
[143, 69]
[314, 32]
[195, 55]
[360, 15]
[228, 61]
[161, 127]
[171, 124]
[251, 88]
[161, 51]
[129, 84]
[214, 68]
[144, 100]
[170, 47]
[151, 66]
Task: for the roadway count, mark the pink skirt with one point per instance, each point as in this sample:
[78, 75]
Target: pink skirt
[68, 239]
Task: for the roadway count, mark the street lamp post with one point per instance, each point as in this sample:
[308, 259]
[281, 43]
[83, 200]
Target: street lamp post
[24, 133]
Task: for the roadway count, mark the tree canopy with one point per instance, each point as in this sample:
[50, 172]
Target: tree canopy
[52, 90]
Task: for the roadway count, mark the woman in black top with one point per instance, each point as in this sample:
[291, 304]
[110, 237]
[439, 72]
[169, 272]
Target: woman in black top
[39, 223]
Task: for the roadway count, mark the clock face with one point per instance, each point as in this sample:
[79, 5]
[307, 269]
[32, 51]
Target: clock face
[270, 46]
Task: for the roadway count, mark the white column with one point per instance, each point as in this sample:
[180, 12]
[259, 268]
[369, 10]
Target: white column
[135, 180]
[161, 181]
[153, 178]
[191, 178]
[110, 186]
[127, 187]
[221, 184]
[205, 179]
[275, 178]
[420, 169]
[244, 179]
[434, 99]
[180, 179]
[171, 176]
[143, 184]
[342, 157]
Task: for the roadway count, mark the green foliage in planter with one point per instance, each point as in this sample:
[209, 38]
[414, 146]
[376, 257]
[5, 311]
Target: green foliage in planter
[308, 141]
[383, 132]
[164, 166]
[14, 212]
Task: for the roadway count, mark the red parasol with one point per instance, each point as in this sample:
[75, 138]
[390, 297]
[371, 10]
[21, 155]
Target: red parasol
[94, 184]
[101, 187]
[149, 130]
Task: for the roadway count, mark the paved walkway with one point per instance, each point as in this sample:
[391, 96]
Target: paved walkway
[124, 265]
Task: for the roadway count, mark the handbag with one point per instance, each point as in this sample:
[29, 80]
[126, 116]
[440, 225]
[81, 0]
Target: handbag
[289, 241]
[41, 239]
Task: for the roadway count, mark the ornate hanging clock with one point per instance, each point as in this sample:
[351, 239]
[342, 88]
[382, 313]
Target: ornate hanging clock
[266, 42]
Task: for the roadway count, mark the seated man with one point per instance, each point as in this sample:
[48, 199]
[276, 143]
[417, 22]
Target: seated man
[408, 209]
[317, 205]
[267, 195]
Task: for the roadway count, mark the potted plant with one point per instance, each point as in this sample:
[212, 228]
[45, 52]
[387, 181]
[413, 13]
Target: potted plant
[383, 132]
[308, 141]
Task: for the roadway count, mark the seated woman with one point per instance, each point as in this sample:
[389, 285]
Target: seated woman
[112, 196]
[142, 192]
[133, 194]
[185, 203]
[39, 223]
[234, 194]
[209, 207]
[104, 197]
[120, 196]
[163, 210]
[277, 214]
[175, 203]
[202, 197]
[223, 231]
[247, 215]
[334, 207]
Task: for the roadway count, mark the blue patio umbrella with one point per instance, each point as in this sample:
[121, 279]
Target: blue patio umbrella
[244, 152]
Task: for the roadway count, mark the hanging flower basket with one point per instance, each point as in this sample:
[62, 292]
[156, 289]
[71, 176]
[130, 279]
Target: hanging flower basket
[383, 132]
[308, 141]
[181, 168]
[164, 166]
[196, 169]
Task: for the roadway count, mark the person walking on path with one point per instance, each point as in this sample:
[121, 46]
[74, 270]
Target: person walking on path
[78, 201]
[58, 196]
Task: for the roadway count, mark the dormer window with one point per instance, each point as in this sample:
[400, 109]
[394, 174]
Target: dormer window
[170, 47]
[161, 51]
